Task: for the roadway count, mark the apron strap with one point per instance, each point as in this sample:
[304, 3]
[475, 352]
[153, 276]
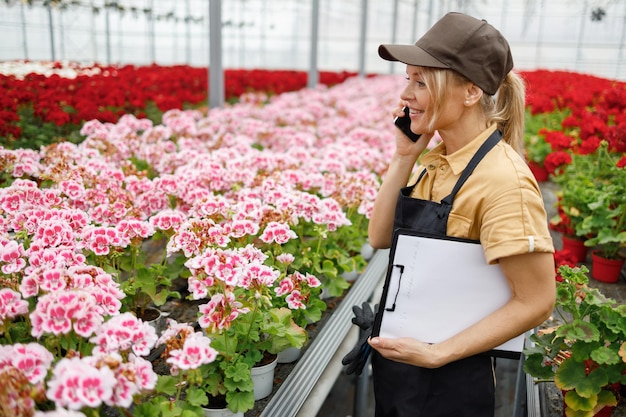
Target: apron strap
[478, 156]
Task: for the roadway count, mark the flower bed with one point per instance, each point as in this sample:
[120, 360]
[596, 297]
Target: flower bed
[257, 207]
[43, 101]
[254, 205]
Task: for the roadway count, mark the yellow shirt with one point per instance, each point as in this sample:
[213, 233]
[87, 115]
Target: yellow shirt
[500, 204]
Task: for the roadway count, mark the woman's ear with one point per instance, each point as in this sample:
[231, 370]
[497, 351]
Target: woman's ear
[473, 94]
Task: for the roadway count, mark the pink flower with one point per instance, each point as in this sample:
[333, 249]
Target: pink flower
[11, 304]
[62, 311]
[277, 232]
[55, 232]
[196, 351]
[11, 254]
[131, 229]
[220, 312]
[123, 333]
[295, 300]
[73, 189]
[167, 219]
[285, 287]
[257, 274]
[100, 239]
[241, 228]
[32, 360]
[75, 383]
[285, 258]
[131, 377]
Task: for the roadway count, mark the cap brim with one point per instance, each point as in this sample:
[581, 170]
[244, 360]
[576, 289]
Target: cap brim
[409, 54]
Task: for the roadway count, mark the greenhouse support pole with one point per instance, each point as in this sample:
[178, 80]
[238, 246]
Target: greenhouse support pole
[216, 72]
[581, 36]
[362, 38]
[315, 15]
[24, 41]
[152, 33]
[94, 41]
[61, 34]
[621, 44]
[50, 26]
[188, 32]
[415, 16]
[394, 25]
[107, 26]
[539, 33]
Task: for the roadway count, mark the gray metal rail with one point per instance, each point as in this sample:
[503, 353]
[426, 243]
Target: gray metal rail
[293, 392]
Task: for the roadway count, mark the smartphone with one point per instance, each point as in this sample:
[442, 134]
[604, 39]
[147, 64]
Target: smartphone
[404, 124]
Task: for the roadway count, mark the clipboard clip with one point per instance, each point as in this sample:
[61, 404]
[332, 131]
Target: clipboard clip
[401, 268]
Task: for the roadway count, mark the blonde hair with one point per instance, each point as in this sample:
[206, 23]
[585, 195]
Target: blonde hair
[506, 108]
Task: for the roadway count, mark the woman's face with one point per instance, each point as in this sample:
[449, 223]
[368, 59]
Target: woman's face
[422, 103]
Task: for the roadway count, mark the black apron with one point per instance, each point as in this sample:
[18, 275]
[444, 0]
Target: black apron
[462, 388]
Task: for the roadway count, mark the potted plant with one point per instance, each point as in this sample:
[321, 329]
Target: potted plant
[137, 258]
[591, 200]
[603, 214]
[245, 327]
[192, 362]
[585, 354]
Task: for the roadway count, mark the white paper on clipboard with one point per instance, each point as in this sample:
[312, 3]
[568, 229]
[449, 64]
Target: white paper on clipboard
[439, 286]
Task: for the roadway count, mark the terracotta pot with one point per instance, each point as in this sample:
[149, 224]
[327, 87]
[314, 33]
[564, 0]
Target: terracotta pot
[576, 247]
[606, 270]
[539, 171]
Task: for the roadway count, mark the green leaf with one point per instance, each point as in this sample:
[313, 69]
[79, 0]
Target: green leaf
[605, 356]
[579, 330]
[534, 366]
[196, 397]
[336, 285]
[240, 402]
[166, 384]
[327, 268]
[146, 409]
[578, 403]
[238, 373]
[568, 374]
[571, 375]
[607, 397]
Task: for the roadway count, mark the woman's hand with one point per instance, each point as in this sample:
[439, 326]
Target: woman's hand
[404, 145]
[407, 350]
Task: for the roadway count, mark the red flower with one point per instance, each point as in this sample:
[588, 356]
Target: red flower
[590, 145]
[622, 162]
[559, 140]
[563, 257]
[555, 160]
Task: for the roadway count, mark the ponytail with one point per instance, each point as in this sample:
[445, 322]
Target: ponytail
[509, 110]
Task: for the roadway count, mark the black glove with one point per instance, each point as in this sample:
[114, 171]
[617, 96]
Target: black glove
[357, 357]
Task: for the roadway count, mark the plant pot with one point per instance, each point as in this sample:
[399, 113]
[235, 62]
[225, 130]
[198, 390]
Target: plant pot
[576, 247]
[155, 317]
[220, 412]
[350, 276]
[539, 171]
[367, 251]
[289, 355]
[605, 270]
[263, 378]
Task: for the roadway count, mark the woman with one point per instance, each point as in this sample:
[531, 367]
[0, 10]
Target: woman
[453, 74]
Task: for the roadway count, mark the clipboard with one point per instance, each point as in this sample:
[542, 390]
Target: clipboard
[436, 286]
